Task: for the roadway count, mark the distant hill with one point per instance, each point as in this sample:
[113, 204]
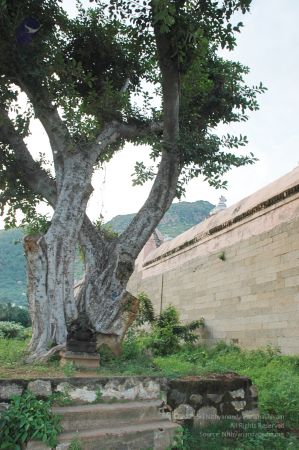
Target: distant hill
[13, 283]
[178, 218]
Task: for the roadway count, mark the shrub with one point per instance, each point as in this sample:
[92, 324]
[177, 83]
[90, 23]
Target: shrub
[146, 312]
[168, 332]
[11, 330]
[13, 313]
[28, 418]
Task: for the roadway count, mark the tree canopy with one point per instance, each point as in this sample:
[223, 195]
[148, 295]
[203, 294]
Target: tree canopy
[92, 67]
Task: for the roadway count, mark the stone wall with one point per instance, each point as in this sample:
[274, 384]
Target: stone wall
[238, 269]
[189, 399]
[198, 400]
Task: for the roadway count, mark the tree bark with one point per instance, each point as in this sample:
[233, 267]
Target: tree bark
[102, 293]
[50, 260]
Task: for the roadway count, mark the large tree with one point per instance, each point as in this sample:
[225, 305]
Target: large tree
[80, 78]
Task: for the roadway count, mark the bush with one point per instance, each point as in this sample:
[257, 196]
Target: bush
[168, 332]
[11, 330]
[12, 313]
[28, 418]
[146, 312]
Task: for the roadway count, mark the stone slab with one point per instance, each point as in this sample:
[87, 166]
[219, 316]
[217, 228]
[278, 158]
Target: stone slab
[82, 360]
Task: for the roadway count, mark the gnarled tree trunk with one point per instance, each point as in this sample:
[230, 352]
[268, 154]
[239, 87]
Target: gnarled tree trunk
[51, 304]
[102, 295]
[50, 262]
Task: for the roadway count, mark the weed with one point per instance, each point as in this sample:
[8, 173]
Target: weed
[222, 256]
[28, 418]
[61, 398]
[99, 396]
[75, 444]
[69, 369]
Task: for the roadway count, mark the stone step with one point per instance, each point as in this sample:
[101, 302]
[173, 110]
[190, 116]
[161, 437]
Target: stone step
[154, 435]
[89, 417]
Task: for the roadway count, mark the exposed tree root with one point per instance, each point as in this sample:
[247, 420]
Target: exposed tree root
[44, 356]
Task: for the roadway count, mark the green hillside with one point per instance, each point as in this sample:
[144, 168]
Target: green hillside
[13, 267]
[179, 218]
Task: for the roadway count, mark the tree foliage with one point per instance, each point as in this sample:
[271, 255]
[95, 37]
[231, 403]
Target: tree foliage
[13, 313]
[93, 66]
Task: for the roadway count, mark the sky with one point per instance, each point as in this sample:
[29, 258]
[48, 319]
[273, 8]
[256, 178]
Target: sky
[269, 45]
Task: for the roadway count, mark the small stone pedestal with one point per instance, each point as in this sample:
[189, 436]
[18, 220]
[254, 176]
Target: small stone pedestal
[80, 359]
[81, 344]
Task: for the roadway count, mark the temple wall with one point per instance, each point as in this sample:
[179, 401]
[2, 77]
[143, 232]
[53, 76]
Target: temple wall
[243, 278]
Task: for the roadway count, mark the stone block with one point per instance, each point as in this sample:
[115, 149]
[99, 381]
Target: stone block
[8, 390]
[81, 395]
[176, 397]
[41, 388]
[82, 360]
[196, 399]
[148, 390]
[206, 415]
[239, 405]
[215, 398]
[183, 412]
[115, 390]
[238, 393]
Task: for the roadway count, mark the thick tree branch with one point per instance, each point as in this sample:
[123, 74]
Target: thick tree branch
[60, 140]
[58, 134]
[164, 187]
[30, 171]
[38, 179]
[116, 130]
[107, 136]
[132, 131]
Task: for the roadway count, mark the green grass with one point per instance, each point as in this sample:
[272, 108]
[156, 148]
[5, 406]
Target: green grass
[11, 352]
[276, 377]
[227, 435]
[12, 361]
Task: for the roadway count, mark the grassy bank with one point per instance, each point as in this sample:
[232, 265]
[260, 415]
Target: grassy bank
[276, 376]
[167, 347]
